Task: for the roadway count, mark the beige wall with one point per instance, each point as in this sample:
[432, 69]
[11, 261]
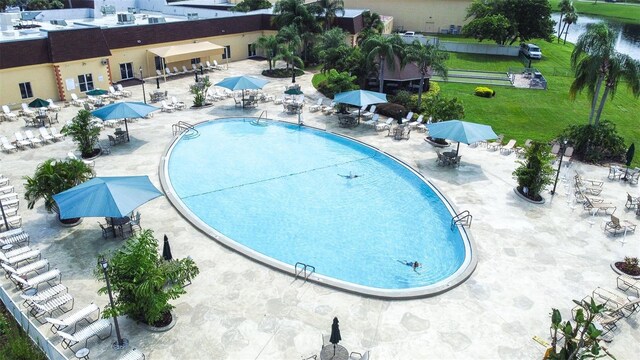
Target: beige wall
[70, 71]
[417, 15]
[41, 77]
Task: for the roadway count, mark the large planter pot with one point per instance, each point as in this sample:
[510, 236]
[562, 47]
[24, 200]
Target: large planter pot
[96, 154]
[522, 196]
[152, 328]
[70, 222]
[435, 144]
[619, 272]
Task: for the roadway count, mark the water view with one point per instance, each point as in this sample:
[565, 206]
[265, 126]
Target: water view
[628, 38]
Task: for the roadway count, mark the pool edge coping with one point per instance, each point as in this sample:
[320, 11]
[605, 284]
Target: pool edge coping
[458, 277]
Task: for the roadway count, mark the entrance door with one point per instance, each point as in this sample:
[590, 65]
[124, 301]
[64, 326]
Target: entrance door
[126, 71]
[252, 50]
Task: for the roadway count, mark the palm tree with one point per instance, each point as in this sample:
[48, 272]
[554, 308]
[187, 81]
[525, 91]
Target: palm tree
[371, 25]
[595, 62]
[83, 132]
[288, 55]
[383, 49]
[291, 12]
[329, 9]
[269, 44]
[565, 6]
[570, 18]
[288, 38]
[429, 59]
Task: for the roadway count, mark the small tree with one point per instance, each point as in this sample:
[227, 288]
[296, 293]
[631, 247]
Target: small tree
[535, 172]
[337, 82]
[53, 177]
[199, 91]
[595, 143]
[83, 132]
[142, 282]
[441, 108]
[580, 339]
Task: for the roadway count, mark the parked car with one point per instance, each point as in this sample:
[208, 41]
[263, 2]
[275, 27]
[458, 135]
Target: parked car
[531, 51]
[409, 33]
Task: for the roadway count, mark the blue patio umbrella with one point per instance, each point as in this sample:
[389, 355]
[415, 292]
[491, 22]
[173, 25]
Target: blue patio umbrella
[106, 196]
[461, 131]
[242, 83]
[360, 98]
[124, 110]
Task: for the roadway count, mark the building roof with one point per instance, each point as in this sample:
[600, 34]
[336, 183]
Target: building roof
[69, 45]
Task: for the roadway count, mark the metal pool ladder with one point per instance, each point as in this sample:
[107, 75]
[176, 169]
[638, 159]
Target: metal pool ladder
[300, 268]
[464, 218]
[184, 127]
[257, 121]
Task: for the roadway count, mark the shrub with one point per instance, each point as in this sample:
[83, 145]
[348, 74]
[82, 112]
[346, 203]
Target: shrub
[392, 110]
[484, 92]
[405, 98]
[199, 91]
[440, 108]
[595, 143]
[281, 73]
[434, 89]
[535, 172]
[337, 82]
[251, 5]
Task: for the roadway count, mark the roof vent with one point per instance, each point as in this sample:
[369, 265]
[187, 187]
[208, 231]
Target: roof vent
[192, 16]
[126, 19]
[59, 22]
[156, 20]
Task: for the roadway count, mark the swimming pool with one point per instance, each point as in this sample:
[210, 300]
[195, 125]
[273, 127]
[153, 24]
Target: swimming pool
[279, 193]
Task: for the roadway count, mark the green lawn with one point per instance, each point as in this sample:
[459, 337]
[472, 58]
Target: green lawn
[626, 12]
[539, 114]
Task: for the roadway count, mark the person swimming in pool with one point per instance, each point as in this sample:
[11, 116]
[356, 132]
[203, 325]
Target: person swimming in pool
[350, 176]
[414, 264]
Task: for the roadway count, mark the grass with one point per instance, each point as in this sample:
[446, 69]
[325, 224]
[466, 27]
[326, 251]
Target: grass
[626, 12]
[14, 343]
[317, 79]
[539, 114]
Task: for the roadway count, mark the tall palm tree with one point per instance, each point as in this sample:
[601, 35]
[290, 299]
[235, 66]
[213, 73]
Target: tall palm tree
[371, 25]
[565, 6]
[569, 19]
[289, 37]
[429, 59]
[596, 63]
[288, 55]
[269, 44]
[384, 50]
[329, 10]
[291, 12]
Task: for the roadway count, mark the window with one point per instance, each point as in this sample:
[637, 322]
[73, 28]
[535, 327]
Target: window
[25, 90]
[126, 71]
[195, 61]
[227, 52]
[252, 50]
[159, 63]
[86, 82]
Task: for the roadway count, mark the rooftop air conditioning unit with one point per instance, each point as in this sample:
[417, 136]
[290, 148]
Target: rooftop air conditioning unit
[59, 22]
[126, 19]
[192, 16]
[156, 20]
[132, 10]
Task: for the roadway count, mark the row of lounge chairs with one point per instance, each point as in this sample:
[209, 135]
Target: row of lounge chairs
[173, 106]
[194, 68]
[29, 139]
[10, 207]
[26, 112]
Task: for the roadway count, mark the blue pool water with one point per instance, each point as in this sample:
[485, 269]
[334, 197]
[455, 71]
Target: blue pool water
[276, 189]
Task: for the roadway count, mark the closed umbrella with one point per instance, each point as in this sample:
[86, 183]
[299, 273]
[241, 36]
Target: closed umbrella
[335, 334]
[97, 92]
[293, 91]
[360, 98]
[166, 249]
[242, 83]
[630, 152]
[124, 110]
[461, 131]
[113, 197]
[39, 103]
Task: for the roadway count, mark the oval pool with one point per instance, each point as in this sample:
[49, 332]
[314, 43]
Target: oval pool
[280, 193]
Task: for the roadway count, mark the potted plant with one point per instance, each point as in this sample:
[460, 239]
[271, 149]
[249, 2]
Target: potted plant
[53, 177]
[581, 338]
[143, 283]
[628, 267]
[534, 173]
[199, 91]
[84, 133]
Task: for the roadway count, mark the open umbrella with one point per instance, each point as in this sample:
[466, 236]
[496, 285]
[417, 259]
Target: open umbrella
[335, 334]
[293, 91]
[461, 131]
[360, 98]
[97, 92]
[124, 110]
[113, 197]
[630, 152]
[166, 249]
[38, 103]
[242, 83]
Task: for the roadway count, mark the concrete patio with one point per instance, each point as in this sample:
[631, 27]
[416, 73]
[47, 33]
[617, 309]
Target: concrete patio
[530, 257]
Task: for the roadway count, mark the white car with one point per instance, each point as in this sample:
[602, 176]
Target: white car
[409, 33]
[531, 51]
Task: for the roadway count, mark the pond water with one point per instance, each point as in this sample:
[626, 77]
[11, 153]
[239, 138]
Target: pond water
[628, 38]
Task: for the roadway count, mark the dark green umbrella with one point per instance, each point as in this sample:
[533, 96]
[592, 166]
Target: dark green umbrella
[630, 152]
[39, 103]
[97, 92]
[293, 91]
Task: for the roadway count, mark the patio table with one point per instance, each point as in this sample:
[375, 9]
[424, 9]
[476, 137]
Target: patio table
[327, 353]
[118, 223]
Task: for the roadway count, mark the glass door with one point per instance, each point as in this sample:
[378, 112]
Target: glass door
[126, 71]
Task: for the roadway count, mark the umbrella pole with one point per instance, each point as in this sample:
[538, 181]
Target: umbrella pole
[126, 128]
[458, 149]
[243, 98]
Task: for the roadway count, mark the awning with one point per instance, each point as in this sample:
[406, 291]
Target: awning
[187, 51]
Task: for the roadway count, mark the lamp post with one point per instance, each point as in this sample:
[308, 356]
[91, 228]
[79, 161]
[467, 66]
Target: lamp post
[563, 145]
[120, 343]
[4, 217]
[144, 94]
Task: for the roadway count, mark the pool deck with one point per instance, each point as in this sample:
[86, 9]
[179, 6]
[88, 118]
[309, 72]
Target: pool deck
[530, 257]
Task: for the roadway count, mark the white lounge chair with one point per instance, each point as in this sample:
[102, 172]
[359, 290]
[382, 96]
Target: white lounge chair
[8, 114]
[42, 296]
[185, 70]
[13, 236]
[209, 66]
[317, 106]
[24, 270]
[56, 135]
[6, 189]
[113, 93]
[168, 72]
[373, 121]
[159, 73]
[75, 101]
[73, 319]
[216, 66]
[20, 140]
[13, 221]
[44, 134]
[27, 112]
[133, 354]
[358, 356]
[34, 140]
[35, 281]
[408, 118]
[6, 145]
[52, 106]
[179, 105]
[385, 125]
[414, 124]
[508, 147]
[176, 71]
[329, 109]
[47, 308]
[626, 282]
[72, 156]
[84, 334]
[369, 114]
[166, 107]
[125, 93]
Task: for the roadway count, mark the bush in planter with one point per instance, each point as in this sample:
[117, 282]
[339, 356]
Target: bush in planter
[53, 177]
[84, 133]
[142, 282]
[484, 92]
[199, 91]
[535, 172]
[596, 143]
[629, 266]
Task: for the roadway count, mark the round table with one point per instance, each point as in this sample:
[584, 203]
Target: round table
[327, 353]
[82, 353]
[7, 247]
